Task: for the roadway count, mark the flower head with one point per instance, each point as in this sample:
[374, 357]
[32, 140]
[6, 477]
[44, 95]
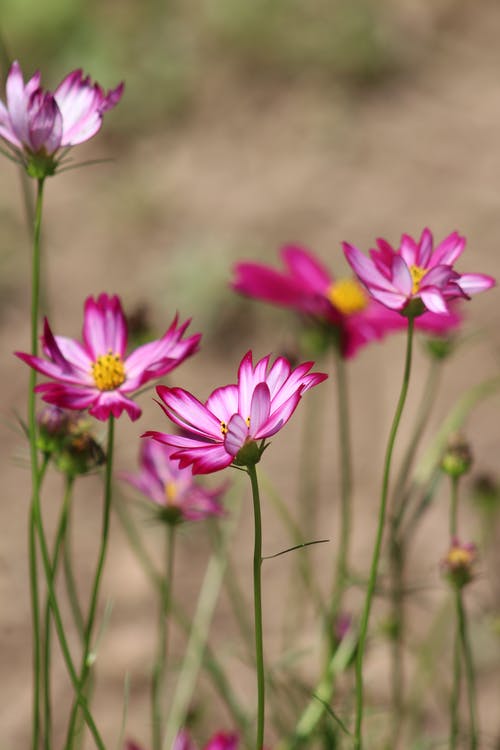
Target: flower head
[416, 271]
[236, 418]
[342, 305]
[458, 565]
[37, 124]
[173, 489]
[220, 741]
[96, 375]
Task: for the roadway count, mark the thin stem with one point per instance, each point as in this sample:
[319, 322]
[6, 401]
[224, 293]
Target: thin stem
[259, 648]
[345, 475]
[455, 690]
[454, 507]
[35, 476]
[160, 666]
[397, 562]
[470, 677]
[60, 534]
[69, 580]
[80, 698]
[358, 741]
[87, 659]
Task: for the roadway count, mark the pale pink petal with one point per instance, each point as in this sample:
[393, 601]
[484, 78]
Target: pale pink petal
[204, 460]
[433, 300]
[401, 276]
[223, 402]
[393, 300]
[366, 269]
[17, 102]
[278, 418]
[409, 250]
[75, 354]
[473, 283]
[246, 384]
[177, 441]
[259, 408]
[237, 433]
[104, 327]
[437, 276]
[447, 252]
[278, 374]
[425, 249]
[186, 411]
[45, 123]
[113, 402]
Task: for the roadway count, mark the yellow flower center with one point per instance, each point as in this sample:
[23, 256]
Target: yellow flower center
[223, 428]
[459, 557]
[417, 274]
[348, 296]
[108, 371]
[170, 493]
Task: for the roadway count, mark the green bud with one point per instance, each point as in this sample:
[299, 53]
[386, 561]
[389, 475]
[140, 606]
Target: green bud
[457, 458]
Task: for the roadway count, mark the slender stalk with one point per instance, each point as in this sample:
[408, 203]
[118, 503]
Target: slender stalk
[454, 507]
[470, 677]
[61, 531]
[397, 563]
[35, 476]
[345, 474]
[80, 698]
[69, 579]
[160, 666]
[358, 738]
[87, 659]
[257, 565]
[455, 690]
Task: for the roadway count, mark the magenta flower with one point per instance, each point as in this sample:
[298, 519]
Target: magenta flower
[227, 427]
[37, 124]
[416, 271]
[96, 375]
[220, 741]
[307, 287]
[173, 489]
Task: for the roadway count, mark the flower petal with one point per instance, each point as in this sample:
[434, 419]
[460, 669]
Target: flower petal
[433, 299]
[104, 326]
[237, 433]
[473, 283]
[259, 408]
[187, 412]
[223, 402]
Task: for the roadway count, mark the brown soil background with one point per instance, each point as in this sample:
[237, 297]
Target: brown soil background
[252, 167]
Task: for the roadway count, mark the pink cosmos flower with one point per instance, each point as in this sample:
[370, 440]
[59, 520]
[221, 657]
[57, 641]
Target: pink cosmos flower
[220, 741]
[38, 122]
[173, 489]
[308, 287]
[416, 271]
[96, 375]
[234, 417]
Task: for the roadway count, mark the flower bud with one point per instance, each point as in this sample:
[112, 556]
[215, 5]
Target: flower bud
[457, 458]
[80, 452]
[439, 347]
[53, 428]
[458, 565]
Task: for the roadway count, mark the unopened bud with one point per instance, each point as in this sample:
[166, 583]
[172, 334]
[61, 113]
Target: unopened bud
[457, 458]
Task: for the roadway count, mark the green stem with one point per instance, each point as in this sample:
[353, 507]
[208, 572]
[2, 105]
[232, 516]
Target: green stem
[470, 678]
[80, 698]
[257, 565]
[70, 582]
[160, 666]
[358, 740]
[396, 562]
[345, 474]
[60, 534]
[454, 507]
[87, 657]
[35, 476]
[455, 689]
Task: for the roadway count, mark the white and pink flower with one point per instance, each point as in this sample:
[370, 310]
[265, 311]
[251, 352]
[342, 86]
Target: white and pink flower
[235, 417]
[96, 375]
[416, 271]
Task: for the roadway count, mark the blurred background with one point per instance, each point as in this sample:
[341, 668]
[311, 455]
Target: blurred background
[245, 126]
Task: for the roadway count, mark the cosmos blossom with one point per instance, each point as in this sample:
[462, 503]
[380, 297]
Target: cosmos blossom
[220, 741]
[38, 122]
[307, 286]
[96, 375]
[416, 271]
[173, 489]
[235, 418]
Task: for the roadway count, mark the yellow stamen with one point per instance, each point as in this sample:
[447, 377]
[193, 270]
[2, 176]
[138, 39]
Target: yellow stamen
[108, 371]
[223, 428]
[458, 557]
[348, 296]
[170, 493]
[417, 274]
[247, 420]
